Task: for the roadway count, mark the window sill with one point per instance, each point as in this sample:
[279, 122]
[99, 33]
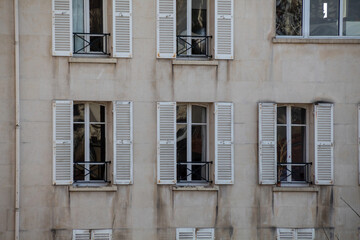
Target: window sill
[92, 60]
[195, 188]
[93, 189]
[296, 189]
[195, 62]
[315, 40]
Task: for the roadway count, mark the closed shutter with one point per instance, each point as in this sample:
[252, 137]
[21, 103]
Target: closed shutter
[166, 142]
[81, 234]
[122, 28]
[305, 234]
[205, 234]
[224, 143]
[62, 142]
[224, 29]
[166, 28]
[324, 162]
[185, 234]
[267, 143]
[62, 27]
[101, 234]
[123, 142]
[285, 234]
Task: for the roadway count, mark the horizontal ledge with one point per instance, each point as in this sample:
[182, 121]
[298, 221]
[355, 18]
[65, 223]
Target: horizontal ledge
[91, 60]
[295, 189]
[315, 41]
[93, 189]
[195, 62]
[195, 188]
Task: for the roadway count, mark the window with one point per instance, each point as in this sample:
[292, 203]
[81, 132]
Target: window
[194, 233]
[295, 234]
[104, 234]
[318, 18]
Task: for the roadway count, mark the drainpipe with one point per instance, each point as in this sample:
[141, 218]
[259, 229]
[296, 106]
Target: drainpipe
[17, 122]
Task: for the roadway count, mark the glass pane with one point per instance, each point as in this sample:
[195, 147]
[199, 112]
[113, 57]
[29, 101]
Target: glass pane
[79, 151]
[97, 151]
[78, 23]
[96, 24]
[289, 17]
[79, 110]
[298, 115]
[198, 152]
[181, 26]
[351, 18]
[298, 152]
[282, 153]
[181, 151]
[181, 113]
[198, 114]
[281, 115]
[97, 113]
[324, 17]
[198, 26]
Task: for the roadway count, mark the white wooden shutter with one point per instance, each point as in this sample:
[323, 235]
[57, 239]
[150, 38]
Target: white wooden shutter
[285, 234]
[224, 29]
[101, 234]
[166, 28]
[305, 234]
[324, 160]
[123, 142]
[185, 234]
[62, 27]
[62, 142]
[81, 234]
[205, 234]
[224, 143]
[267, 143]
[122, 28]
[166, 142]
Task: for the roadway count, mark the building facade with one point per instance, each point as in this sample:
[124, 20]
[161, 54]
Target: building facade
[170, 119]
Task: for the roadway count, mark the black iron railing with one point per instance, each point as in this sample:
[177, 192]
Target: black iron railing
[91, 43]
[193, 46]
[193, 172]
[96, 172]
[294, 172]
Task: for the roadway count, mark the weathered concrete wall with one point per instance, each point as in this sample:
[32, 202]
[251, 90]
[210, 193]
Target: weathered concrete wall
[261, 71]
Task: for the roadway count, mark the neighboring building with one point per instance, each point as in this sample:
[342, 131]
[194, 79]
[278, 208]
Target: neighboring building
[197, 119]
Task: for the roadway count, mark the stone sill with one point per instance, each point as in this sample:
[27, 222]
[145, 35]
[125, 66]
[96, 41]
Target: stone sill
[93, 189]
[195, 188]
[92, 60]
[296, 189]
[315, 41]
[195, 62]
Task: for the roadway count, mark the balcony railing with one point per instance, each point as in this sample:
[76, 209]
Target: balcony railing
[91, 172]
[193, 172]
[91, 43]
[193, 46]
[294, 172]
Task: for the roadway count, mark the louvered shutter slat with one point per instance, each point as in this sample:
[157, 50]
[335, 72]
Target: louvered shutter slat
[224, 29]
[166, 28]
[122, 28]
[166, 143]
[324, 144]
[305, 234]
[224, 148]
[62, 27]
[285, 234]
[123, 142]
[81, 235]
[267, 143]
[205, 234]
[62, 142]
[185, 234]
[101, 235]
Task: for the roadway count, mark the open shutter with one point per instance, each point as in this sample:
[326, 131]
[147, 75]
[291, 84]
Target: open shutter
[122, 28]
[101, 234]
[305, 234]
[62, 27]
[285, 234]
[123, 142]
[166, 142]
[205, 234]
[224, 29]
[324, 160]
[81, 235]
[185, 234]
[62, 142]
[166, 28]
[267, 143]
[224, 143]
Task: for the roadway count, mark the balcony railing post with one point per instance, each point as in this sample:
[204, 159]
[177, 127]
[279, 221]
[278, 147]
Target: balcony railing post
[90, 39]
[89, 171]
[289, 172]
[190, 43]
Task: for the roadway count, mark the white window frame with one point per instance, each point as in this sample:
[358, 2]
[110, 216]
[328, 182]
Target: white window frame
[306, 24]
[288, 137]
[189, 124]
[86, 124]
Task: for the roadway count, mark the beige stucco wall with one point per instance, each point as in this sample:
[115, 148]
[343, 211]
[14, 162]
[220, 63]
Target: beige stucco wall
[261, 71]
